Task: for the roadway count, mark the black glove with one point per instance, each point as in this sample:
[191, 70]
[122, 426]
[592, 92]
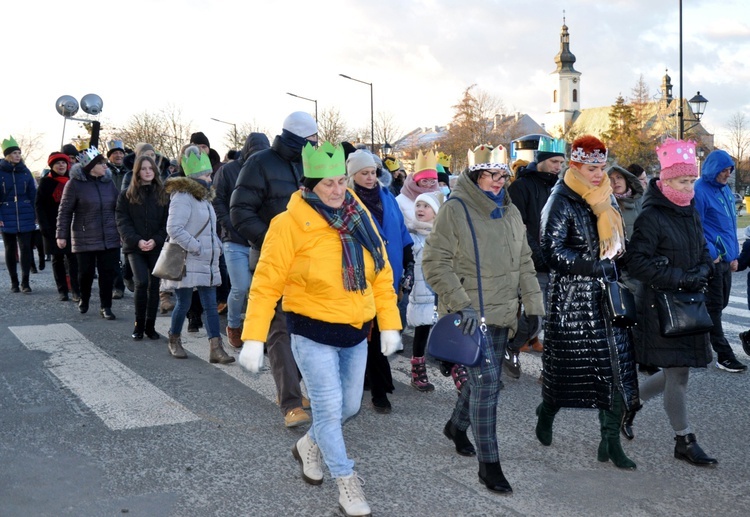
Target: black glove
[469, 320]
[703, 270]
[693, 282]
[407, 279]
[606, 269]
[660, 261]
[534, 324]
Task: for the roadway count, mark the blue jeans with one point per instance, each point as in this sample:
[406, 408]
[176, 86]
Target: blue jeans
[183, 298]
[334, 378]
[241, 261]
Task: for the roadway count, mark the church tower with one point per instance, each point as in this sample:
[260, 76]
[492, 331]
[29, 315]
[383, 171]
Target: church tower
[566, 88]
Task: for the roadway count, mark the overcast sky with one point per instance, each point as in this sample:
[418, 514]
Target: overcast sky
[235, 60]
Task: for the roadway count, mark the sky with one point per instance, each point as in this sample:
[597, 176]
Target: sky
[236, 60]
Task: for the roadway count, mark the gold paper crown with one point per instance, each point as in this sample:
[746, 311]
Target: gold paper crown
[326, 161]
[485, 156]
[391, 163]
[425, 162]
[444, 159]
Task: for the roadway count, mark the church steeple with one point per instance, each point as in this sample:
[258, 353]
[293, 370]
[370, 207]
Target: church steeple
[565, 57]
[666, 88]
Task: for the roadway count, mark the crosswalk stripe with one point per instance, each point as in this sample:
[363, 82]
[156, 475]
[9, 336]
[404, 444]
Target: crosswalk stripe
[121, 398]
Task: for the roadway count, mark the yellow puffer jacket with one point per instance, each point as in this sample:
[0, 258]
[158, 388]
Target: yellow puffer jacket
[301, 260]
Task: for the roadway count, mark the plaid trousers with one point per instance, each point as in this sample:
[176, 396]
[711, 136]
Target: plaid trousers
[477, 403]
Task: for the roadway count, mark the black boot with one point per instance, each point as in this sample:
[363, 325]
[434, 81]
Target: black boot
[194, 323]
[138, 331]
[463, 445]
[491, 475]
[151, 329]
[545, 417]
[626, 426]
[687, 449]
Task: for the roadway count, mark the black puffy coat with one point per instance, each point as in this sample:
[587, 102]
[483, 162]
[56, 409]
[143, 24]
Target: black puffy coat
[144, 221]
[46, 214]
[87, 212]
[224, 182]
[664, 229]
[586, 360]
[266, 182]
[529, 192]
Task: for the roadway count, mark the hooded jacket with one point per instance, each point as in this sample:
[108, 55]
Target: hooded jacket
[225, 180]
[665, 230]
[715, 205]
[449, 263]
[86, 215]
[17, 195]
[266, 182]
[189, 209]
[529, 192]
[586, 360]
[631, 205]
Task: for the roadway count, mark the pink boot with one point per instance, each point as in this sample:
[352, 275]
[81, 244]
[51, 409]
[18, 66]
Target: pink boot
[460, 376]
[419, 375]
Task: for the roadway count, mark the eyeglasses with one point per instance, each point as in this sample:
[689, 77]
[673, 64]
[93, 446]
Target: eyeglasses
[497, 176]
[428, 181]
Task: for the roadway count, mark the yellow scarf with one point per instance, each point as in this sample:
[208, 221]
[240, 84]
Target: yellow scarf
[608, 220]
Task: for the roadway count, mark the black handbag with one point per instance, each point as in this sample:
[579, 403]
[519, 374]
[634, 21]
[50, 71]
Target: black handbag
[682, 313]
[620, 301]
[446, 341]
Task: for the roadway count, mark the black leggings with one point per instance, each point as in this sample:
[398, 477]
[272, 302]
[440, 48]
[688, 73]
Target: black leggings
[61, 273]
[421, 332]
[12, 241]
[146, 285]
[106, 263]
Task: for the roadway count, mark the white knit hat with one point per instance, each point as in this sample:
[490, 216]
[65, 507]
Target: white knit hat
[301, 124]
[434, 199]
[359, 160]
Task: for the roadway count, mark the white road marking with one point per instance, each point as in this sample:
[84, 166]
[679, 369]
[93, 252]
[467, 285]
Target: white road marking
[121, 398]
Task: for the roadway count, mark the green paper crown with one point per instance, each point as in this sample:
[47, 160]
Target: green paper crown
[194, 164]
[551, 145]
[326, 161]
[9, 142]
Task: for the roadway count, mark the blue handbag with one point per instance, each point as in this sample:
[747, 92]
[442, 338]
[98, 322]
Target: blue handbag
[446, 340]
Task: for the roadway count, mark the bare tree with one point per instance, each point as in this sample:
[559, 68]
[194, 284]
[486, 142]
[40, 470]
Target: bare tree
[738, 143]
[31, 146]
[245, 128]
[640, 99]
[165, 130]
[386, 129]
[331, 127]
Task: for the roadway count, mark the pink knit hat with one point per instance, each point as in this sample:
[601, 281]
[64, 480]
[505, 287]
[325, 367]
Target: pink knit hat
[677, 158]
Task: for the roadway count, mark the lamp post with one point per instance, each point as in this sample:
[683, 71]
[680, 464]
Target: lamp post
[311, 100]
[387, 148]
[372, 112]
[697, 103]
[235, 143]
[91, 103]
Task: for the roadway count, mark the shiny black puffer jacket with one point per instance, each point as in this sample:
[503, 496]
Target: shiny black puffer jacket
[586, 360]
[665, 230]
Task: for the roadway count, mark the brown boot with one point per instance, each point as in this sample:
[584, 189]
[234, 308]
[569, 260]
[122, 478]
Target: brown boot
[234, 336]
[217, 354]
[175, 347]
[165, 302]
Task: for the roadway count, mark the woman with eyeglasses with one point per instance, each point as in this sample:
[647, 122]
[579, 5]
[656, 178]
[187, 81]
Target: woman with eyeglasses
[450, 268]
[423, 180]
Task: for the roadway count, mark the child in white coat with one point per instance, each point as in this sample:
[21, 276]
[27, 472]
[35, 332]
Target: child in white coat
[419, 312]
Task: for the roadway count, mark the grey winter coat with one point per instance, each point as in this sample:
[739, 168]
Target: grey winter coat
[189, 209]
[86, 216]
[421, 298]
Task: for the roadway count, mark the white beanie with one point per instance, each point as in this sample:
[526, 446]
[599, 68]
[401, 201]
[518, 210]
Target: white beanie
[301, 124]
[358, 160]
[434, 199]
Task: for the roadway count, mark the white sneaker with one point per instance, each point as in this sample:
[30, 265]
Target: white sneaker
[351, 497]
[307, 454]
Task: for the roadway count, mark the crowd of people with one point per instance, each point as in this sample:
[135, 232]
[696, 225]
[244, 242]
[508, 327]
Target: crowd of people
[320, 253]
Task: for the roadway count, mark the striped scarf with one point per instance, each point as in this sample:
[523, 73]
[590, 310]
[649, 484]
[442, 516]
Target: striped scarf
[356, 232]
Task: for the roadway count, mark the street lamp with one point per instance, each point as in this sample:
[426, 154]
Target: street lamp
[91, 103]
[235, 130]
[311, 100]
[372, 112]
[697, 103]
[387, 148]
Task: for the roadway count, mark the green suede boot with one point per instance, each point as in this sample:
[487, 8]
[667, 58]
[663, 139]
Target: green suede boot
[610, 447]
[545, 417]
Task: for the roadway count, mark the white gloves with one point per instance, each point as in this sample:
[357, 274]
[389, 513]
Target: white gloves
[390, 341]
[251, 356]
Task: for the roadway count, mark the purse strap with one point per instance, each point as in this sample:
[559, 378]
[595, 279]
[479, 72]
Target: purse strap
[476, 256]
[203, 227]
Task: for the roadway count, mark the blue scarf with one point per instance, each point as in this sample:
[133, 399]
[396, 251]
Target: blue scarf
[499, 200]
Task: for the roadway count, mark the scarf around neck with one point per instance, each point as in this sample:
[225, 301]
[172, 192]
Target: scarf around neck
[412, 190]
[59, 187]
[371, 198]
[356, 232]
[675, 196]
[608, 220]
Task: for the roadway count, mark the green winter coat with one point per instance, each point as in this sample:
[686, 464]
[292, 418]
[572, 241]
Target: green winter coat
[504, 257]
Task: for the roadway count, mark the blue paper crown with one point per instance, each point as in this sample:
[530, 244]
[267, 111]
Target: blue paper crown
[551, 145]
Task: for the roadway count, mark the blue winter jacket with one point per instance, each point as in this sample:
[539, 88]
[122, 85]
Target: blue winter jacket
[394, 234]
[715, 204]
[17, 195]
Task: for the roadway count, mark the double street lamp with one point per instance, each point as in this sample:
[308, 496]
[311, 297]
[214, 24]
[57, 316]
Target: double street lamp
[235, 144]
[311, 100]
[91, 103]
[697, 103]
[372, 112]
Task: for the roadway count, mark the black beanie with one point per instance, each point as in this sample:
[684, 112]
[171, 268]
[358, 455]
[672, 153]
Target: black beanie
[199, 139]
[310, 182]
[70, 150]
[546, 155]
